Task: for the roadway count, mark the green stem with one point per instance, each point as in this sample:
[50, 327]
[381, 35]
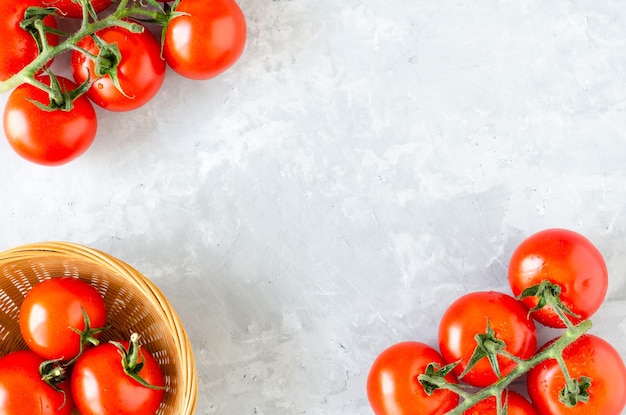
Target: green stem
[132, 361]
[559, 312]
[554, 351]
[117, 18]
[456, 389]
[569, 382]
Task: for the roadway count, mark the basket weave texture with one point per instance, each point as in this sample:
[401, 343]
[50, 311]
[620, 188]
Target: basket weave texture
[134, 304]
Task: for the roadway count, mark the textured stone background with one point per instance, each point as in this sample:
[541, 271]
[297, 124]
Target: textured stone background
[365, 163]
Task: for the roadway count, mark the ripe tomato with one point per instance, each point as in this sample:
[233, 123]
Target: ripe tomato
[208, 39]
[100, 385]
[588, 356]
[517, 404]
[54, 307]
[72, 8]
[393, 387]
[23, 391]
[471, 315]
[567, 259]
[48, 137]
[19, 47]
[140, 71]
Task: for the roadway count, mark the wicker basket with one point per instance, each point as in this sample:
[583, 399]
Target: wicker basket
[134, 304]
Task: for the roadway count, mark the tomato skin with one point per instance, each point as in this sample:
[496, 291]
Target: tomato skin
[468, 316]
[100, 386]
[589, 356]
[48, 138]
[23, 392]
[518, 405]
[141, 71]
[70, 8]
[18, 46]
[565, 258]
[207, 41]
[49, 311]
[393, 388]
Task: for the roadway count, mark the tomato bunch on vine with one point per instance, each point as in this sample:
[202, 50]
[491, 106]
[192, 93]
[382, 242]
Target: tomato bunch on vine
[487, 344]
[119, 51]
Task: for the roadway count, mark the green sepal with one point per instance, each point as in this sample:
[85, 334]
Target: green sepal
[433, 376]
[87, 336]
[547, 293]
[52, 373]
[487, 345]
[33, 14]
[32, 22]
[132, 361]
[60, 98]
[577, 391]
[107, 62]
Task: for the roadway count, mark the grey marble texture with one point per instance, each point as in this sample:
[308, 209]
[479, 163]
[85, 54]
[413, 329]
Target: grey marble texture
[365, 163]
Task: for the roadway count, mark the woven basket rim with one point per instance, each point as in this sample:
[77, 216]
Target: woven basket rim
[72, 250]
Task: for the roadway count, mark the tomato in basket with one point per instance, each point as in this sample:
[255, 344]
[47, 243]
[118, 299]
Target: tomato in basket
[61, 316]
[29, 386]
[118, 377]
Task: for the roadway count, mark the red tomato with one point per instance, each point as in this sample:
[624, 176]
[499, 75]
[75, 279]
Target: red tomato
[48, 137]
[54, 307]
[567, 259]
[207, 40]
[141, 70]
[100, 385]
[517, 405]
[393, 387]
[588, 356]
[22, 390]
[468, 316]
[72, 8]
[18, 46]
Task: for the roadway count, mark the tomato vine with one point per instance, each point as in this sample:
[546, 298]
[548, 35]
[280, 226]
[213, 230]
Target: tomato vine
[127, 14]
[487, 340]
[434, 377]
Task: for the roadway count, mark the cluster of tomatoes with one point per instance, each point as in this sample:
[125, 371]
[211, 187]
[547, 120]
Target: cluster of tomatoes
[65, 366]
[488, 339]
[117, 62]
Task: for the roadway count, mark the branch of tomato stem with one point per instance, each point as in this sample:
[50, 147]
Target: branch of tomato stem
[118, 18]
[568, 323]
[553, 351]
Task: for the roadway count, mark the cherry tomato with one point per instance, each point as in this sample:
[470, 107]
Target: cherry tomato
[567, 259]
[48, 137]
[588, 356]
[22, 390]
[72, 8]
[100, 385]
[52, 309]
[140, 71]
[208, 39]
[517, 405]
[393, 387]
[471, 315]
[19, 47]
